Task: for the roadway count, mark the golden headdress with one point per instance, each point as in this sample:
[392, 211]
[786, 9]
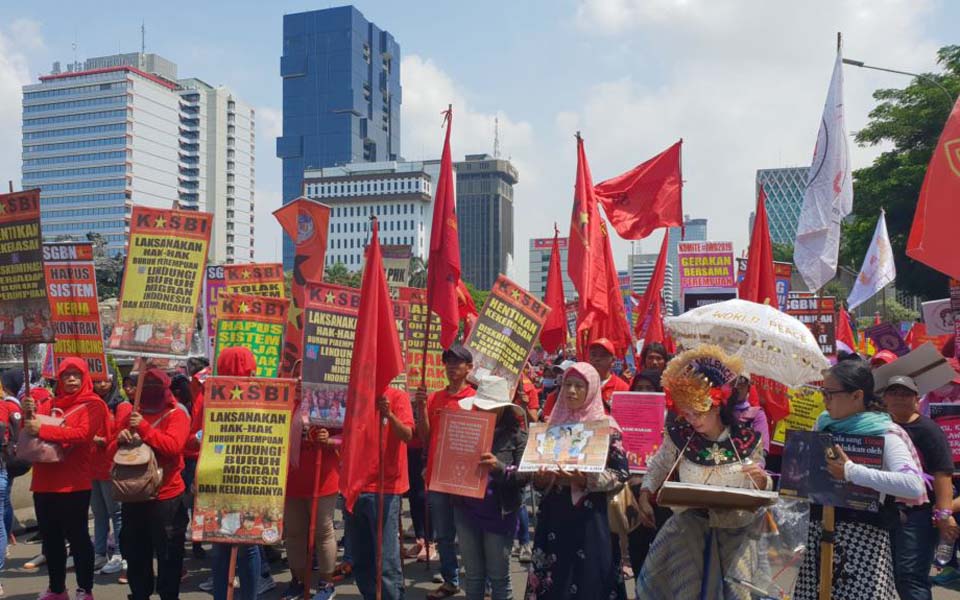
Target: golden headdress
[701, 378]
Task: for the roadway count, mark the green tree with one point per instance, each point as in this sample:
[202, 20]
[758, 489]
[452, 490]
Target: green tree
[910, 120]
[338, 274]
[783, 252]
[479, 296]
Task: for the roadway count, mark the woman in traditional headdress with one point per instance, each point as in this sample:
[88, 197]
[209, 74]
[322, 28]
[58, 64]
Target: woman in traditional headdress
[707, 444]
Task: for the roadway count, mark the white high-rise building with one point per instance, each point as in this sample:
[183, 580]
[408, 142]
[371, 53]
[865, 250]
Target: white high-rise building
[540, 250]
[399, 193]
[640, 268]
[120, 130]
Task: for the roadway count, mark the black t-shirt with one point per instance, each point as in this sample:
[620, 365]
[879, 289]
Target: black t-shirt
[932, 446]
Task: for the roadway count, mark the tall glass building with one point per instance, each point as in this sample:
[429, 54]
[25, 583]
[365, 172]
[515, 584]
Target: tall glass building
[784, 188]
[341, 96]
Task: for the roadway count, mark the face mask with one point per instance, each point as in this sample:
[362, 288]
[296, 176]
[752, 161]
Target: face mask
[152, 398]
[549, 382]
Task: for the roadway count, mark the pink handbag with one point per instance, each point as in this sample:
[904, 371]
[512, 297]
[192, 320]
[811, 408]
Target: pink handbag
[34, 450]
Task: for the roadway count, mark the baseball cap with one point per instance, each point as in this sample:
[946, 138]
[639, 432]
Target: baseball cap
[603, 343]
[456, 353]
[903, 381]
[884, 357]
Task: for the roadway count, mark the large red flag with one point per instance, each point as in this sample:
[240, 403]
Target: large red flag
[933, 236]
[377, 359]
[585, 255]
[553, 336]
[443, 266]
[650, 308]
[759, 282]
[614, 325]
[646, 197]
[845, 339]
[306, 222]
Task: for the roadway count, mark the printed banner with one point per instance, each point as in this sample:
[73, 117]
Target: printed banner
[508, 327]
[804, 471]
[435, 377]
[253, 322]
[580, 446]
[955, 304]
[24, 310]
[242, 471]
[72, 290]
[782, 272]
[254, 279]
[396, 264]
[706, 264]
[462, 437]
[806, 404]
[162, 281]
[819, 315]
[212, 287]
[641, 417]
[947, 416]
[886, 336]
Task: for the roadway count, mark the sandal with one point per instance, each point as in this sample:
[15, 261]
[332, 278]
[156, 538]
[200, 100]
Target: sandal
[444, 591]
[342, 571]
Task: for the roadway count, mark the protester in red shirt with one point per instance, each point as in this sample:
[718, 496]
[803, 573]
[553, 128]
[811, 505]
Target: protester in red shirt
[155, 528]
[198, 369]
[61, 490]
[105, 509]
[528, 398]
[458, 361]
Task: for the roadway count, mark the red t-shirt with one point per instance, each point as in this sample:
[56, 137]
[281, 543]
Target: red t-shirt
[300, 478]
[396, 480]
[166, 439]
[438, 401]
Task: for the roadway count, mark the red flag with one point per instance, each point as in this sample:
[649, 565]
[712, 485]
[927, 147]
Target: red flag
[645, 198]
[553, 336]
[466, 308]
[377, 359]
[934, 233]
[759, 282]
[876, 318]
[306, 222]
[650, 309]
[585, 256]
[845, 339]
[614, 326]
[443, 267]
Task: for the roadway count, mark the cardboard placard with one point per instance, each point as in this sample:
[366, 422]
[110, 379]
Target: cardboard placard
[254, 279]
[928, 368]
[505, 332]
[804, 471]
[242, 470]
[571, 446]
[24, 308]
[254, 322]
[641, 416]
[435, 377]
[462, 437]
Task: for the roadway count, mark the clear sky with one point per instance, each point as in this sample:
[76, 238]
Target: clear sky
[742, 82]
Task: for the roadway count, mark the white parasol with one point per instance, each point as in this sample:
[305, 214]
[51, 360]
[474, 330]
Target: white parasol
[771, 343]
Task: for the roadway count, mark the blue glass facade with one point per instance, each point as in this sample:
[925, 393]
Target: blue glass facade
[341, 96]
[784, 188]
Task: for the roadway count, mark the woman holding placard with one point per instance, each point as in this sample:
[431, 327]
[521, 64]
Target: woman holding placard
[572, 553]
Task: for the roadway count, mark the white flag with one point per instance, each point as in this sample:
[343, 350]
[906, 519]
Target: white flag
[878, 270]
[828, 197]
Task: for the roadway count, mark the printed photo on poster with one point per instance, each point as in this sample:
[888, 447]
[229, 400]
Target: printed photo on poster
[641, 416]
[579, 446]
[24, 308]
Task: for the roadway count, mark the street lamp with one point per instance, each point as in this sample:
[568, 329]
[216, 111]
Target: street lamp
[925, 78]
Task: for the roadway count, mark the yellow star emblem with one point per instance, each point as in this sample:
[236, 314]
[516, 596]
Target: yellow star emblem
[247, 274]
[329, 298]
[515, 294]
[244, 308]
[293, 314]
[236, 393]
[584, 218]
[160, 222]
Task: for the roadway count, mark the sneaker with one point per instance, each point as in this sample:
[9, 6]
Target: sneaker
[114, 565]
[35, 562]
[48, 595]
[98, 561]
[266, 584]
[526, 554]
[326, 592]
[123, 573]
[516, 550]
[293, 591]
[206, 586]
[83, 595]
[947, 576]
[437, 578]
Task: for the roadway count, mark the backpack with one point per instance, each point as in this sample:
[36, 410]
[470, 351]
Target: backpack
[136, 475]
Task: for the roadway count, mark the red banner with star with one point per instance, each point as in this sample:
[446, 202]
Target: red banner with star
[256, 323]
[254, 279]
[162, 280]
[507, 329]
[242, 470]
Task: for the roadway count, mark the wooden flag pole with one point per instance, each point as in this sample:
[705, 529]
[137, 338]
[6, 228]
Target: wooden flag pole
[231, 571]
[312, 534]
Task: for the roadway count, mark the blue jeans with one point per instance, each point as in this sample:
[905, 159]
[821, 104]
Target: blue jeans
[914, 542]
[248, 569]
[7, 513]
[486, 557]
[105, 510]
[7, 503]
[363, 524]
[523, 528]
[445, 533]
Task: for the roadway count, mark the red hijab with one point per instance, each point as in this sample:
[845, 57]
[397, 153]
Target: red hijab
[156, 396]
[84, 394]
[237, 361]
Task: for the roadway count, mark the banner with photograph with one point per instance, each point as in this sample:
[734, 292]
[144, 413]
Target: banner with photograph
[162, 281]
[213, 285]
[75, 308]
[24, 310]
[242, 471]
[706, 265]
[819, 315]
[254, 322]
[804, 469]
[254, 279]
[416, 338]
[582, 446]
[507, 329]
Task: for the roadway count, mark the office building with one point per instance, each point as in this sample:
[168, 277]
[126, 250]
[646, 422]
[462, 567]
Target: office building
[485, 217]
[640, 268]
[540, 249]
[341, 96]
[114, 131]
[784, 188]
[694, 230]
[399, 194]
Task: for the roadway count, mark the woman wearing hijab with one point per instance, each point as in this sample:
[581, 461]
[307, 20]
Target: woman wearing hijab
[863, 560]
[106, 510]
[62, 489]
[573, 556]
[155, 528]
[706, 444]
